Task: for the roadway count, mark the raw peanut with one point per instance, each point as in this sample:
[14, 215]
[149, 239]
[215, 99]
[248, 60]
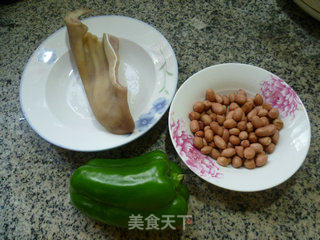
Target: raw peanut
[232, 97]
[265, 121]
[258, 100]
[247, 107]
[278, 123]
[204, 141]
[266, 106]
[270, 148]
[262, 112]
[206, 128]
[207, 105]
[273, 113]
[219, 142]
[249, 127]
[225, 135]
[201, 125]
[224, 108]
[228, 152]
[223, 161]
[206, 119]
[249, 163]
[230, 114]
[265, 141]
[211, 144]
[229, 145]
[217, 108]
[242, 92]
[258, 108]
[197, 142]
[213, 116]
[216, 128]
[198, 107]
[258, 148]
[239, 151]
[257, 122]
[210, 95]
[229, 123]
[243, 135]
[240, 99]
[194, 116]
[275, 137]
[234, 140]
[238, 114]
[215, 153]
[266, 131]
[219, 99]
[261, 160]
[234, 131]
[242, 125]
[245, 143]
[252, 113]
[252, 137]
[194, 126]
[208, 135]
[249, 153]
[206, 150]
[199, 134]
[236, 162]
[226, 100]
[250, 99]
[233, 106]
[220, 131]
[221, 119]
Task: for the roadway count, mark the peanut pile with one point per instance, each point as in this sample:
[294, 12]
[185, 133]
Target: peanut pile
[235, 129]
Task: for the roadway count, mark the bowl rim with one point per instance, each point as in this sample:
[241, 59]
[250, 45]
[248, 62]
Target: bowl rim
[217, 183]
[170, 98]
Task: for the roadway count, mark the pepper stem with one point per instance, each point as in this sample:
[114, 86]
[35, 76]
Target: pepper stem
[176, 178]
[179, 177]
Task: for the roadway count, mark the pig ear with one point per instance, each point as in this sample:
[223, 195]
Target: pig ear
[114, 41]
[98, 64]
[111, 58]
[111, 50]
[72, 17]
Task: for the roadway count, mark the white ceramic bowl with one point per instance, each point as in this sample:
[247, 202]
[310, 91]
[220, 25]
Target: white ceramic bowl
[53, 99]
[312, 7]
[294, 140]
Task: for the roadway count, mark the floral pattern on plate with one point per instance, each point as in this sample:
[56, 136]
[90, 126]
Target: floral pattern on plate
[147, 119]
[164, 68]
[280, 95]
[199, 163]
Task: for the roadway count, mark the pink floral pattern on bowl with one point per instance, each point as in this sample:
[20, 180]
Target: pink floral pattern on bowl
[199, 163]
[280, 95]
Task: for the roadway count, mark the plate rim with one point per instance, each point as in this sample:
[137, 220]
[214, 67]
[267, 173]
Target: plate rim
[217, 183]
[170, 98]
[308, 9]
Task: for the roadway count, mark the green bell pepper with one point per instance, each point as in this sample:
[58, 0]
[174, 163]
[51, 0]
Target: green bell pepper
[111, 190]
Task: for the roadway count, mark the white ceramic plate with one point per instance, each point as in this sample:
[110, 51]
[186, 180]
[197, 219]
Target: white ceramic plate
[53, 99]
[294, 140]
